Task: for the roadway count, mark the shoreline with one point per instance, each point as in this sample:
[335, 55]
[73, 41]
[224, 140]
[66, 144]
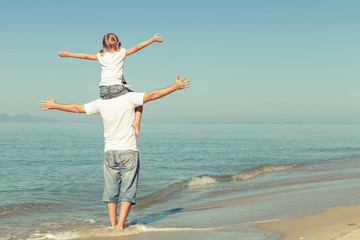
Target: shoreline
[340, 223]
[251, 217]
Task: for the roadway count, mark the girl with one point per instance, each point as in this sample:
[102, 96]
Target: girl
[112, 82]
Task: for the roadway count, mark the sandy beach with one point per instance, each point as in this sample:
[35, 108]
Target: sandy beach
[341, 223]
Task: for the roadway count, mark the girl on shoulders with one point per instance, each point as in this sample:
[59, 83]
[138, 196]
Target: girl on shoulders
[112, 82]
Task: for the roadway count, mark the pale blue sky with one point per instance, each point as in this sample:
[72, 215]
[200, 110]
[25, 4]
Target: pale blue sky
[251, 60]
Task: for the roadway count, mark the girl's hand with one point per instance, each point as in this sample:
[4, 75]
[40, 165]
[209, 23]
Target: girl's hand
[181, 84]
[158, 38]
[64, 54]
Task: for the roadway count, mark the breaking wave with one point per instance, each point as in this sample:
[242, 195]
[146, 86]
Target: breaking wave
[254, 172]
[200, 181]
[205, 180]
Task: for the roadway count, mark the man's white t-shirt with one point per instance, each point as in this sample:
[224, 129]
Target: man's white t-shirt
[112, 65]
[118, 115]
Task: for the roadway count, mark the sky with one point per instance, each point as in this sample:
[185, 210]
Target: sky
[247, 60]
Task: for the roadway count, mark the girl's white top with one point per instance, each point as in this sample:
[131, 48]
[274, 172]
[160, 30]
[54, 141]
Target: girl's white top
[112, 67]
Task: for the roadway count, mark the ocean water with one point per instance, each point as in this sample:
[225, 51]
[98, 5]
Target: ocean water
[52, 180]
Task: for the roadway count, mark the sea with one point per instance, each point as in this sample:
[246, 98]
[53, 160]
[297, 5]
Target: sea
[52, 178]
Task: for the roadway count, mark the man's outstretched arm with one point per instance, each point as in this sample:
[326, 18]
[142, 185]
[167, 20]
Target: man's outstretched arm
[52, 104]
[159, 93]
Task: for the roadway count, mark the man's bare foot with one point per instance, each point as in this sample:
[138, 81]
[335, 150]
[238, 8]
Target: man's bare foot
[119, 227]
[136, 126]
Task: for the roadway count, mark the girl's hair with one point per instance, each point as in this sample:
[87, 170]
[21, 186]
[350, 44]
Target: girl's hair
[110, 42]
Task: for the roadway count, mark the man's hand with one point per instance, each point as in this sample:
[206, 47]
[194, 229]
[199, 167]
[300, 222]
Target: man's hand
[64, 54]
[159, 93]
[181, 84]
[158, 38]
[46, 105]
[75, 108]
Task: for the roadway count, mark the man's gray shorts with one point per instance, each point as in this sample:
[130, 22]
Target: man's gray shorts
[121, 173]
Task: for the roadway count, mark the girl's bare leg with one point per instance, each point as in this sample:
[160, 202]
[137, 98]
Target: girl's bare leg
[136, 123]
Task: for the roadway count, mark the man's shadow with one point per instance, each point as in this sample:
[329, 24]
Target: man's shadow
[150, 218]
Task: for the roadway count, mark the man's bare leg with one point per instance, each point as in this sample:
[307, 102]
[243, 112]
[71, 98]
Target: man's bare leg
[125, 208]
[112, 209]
[136, 123]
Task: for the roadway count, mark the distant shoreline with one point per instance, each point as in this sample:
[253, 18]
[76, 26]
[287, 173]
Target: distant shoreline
[5, 118]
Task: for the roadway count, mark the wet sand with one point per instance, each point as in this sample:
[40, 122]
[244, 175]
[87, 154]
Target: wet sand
[341, 223]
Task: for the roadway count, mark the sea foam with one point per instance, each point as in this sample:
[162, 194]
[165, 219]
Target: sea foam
[254, 172]
[200, 181]
[84, 233]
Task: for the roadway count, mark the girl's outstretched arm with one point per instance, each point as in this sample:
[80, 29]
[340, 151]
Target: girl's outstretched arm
[66, 53]
[140, 46]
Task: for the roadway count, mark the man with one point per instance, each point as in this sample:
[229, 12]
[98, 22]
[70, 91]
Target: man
[121, 160]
